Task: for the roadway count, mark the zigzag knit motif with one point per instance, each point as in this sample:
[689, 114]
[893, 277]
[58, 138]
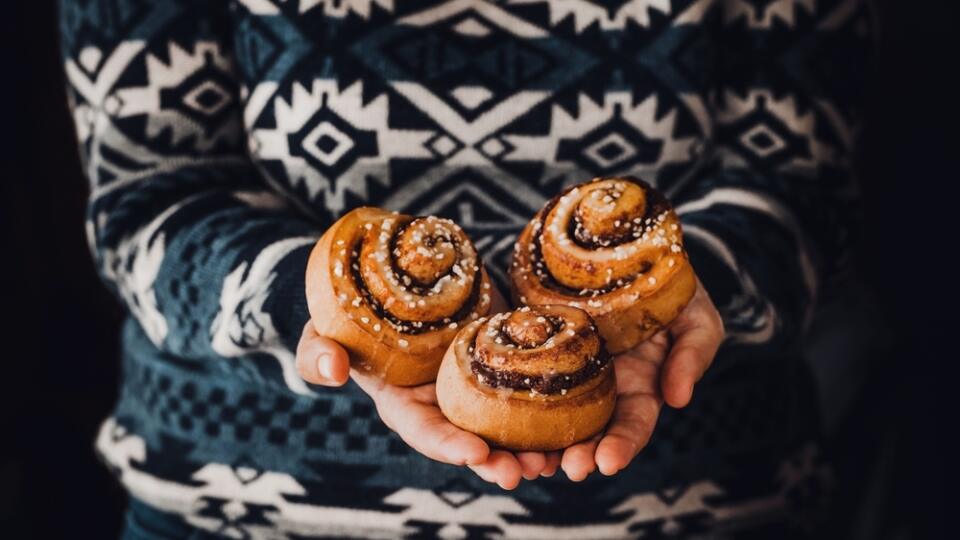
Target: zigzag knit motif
[220, 137]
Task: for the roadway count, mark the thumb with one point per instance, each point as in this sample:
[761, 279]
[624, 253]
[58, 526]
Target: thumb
[321, 360]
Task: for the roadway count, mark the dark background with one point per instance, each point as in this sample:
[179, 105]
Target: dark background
[59, 355]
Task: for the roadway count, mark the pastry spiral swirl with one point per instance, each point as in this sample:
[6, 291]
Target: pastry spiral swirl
[613, 247]
[538, 378]
[394, 290]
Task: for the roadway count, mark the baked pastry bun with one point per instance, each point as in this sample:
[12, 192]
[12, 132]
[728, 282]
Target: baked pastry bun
[537, 378]
[612, 247]
[394, 290]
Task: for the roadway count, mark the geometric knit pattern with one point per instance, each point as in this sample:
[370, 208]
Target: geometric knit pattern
[220, 138]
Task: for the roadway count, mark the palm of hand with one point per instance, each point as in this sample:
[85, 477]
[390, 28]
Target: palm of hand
[665, 367]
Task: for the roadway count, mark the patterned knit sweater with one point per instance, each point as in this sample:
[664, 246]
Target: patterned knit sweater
[221, 137]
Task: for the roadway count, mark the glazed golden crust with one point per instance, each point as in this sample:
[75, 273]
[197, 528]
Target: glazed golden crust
[490, 376]
[394, 290]
[613, 247]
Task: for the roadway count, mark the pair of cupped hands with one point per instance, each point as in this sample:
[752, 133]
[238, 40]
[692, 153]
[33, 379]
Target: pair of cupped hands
[662, 369]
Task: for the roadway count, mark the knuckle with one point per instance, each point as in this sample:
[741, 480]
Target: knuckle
[302, 368]
[300, 348]
[307, 329]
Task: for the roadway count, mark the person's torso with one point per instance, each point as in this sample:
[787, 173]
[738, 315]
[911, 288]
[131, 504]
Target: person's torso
[479, 112]
[476, 111]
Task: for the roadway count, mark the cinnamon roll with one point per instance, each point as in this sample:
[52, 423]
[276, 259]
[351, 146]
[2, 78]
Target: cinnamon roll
[612, 247]
[394, 290]
[537, 378]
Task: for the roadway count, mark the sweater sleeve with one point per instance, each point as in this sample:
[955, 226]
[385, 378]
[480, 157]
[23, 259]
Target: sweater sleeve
[206, 257]
[768, 223]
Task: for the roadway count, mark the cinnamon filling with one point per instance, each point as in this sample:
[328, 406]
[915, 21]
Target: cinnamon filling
[534, 328]
[607, 217]
[610, 217]
[421, 261]
[542, 384]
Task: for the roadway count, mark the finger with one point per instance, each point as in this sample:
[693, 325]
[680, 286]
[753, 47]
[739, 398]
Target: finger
[695, 345]
[321, 360]
[629, 431]
[638, 372]
[552, 464]
[501, 468]
[577, 461]
[372, 385]
[653, 350]
[531, 464]
[427, 431]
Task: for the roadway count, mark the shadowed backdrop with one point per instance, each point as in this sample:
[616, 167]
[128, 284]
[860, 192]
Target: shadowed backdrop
[60, 325]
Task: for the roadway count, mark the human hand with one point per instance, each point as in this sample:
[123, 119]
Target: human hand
[664, 368]
[413, 413]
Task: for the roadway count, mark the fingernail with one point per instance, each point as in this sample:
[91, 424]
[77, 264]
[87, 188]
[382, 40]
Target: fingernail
[577, 477]
[609, 471]
[325, 365]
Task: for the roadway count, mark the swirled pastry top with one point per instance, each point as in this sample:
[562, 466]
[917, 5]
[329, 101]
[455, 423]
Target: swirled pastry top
[398, 274]
[604, 236]
[541, 349]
